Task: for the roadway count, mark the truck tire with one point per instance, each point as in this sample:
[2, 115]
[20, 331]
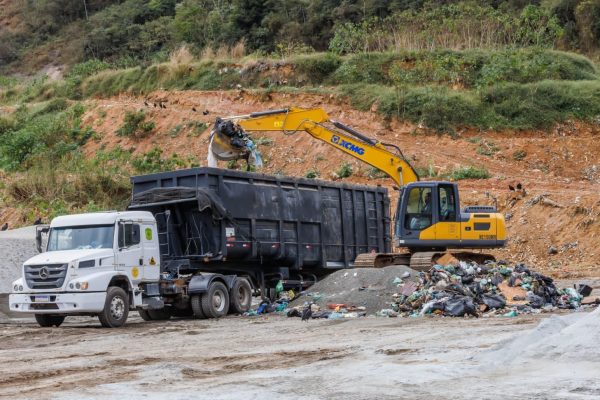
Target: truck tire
[240, 296]
[196, 302]
[46, 321]
[116, 308]
[215, 302]
[159, 315]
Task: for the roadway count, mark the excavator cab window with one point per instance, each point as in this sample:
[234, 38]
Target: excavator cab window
[418, 209]
[447, 208]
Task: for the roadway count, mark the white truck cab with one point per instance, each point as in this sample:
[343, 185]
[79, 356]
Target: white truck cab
[93, 264]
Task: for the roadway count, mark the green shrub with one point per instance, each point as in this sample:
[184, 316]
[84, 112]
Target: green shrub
[469, 172]
[365, 68]
[134, 125]
[487, 148]
[312, 174]
[376, 173]
[345, 170]
[519, 155]
[152, 161]
[198, 127]
[317, 68]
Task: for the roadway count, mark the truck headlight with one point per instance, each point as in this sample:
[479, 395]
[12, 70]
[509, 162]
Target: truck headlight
[79, 285]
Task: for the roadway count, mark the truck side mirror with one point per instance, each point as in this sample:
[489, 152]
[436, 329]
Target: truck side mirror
[39, 230]
[121, 236]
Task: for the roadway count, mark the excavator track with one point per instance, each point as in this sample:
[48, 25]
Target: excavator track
[423, 261]
[380, 260]
[419, 261]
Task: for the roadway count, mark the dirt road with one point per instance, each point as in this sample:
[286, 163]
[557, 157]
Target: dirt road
[276, 357]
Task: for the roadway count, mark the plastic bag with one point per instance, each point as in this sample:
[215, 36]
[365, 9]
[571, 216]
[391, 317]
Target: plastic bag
[535, 301]
[460, 305]
[279, 287]
[493, 300]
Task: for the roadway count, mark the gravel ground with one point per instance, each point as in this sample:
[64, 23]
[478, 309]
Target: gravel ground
[273, 357]
[371, 288]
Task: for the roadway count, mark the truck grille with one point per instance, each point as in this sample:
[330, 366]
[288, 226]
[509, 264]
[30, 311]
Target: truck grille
[45, 276]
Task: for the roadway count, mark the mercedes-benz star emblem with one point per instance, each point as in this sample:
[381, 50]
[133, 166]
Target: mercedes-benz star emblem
[44, 273]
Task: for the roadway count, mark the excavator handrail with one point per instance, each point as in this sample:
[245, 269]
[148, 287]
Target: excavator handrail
[345, 138]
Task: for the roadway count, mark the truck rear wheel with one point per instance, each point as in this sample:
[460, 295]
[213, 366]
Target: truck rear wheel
[116, 308]
[46, 321]
[240, 296]
[215, 302]
[196, 302]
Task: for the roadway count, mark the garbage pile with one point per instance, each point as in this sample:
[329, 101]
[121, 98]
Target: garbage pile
[472, 289]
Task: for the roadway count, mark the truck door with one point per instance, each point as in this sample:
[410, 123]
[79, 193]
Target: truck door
[448, 227]
[129, 253]
[150, 252]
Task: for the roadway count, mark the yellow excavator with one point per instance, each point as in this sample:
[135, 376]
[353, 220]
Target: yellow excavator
[428, 220]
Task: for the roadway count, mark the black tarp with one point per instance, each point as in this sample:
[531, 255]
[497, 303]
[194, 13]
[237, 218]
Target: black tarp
[205, 198]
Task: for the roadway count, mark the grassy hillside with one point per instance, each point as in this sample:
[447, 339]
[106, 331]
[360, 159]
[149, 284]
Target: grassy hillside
[442, 90]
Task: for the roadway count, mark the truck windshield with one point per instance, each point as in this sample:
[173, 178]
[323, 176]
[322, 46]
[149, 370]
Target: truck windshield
[81, 237]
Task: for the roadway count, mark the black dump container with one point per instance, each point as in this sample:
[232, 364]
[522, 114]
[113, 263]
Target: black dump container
[238, 221]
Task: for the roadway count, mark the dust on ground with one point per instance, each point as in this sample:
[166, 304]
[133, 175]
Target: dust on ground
[276, 357]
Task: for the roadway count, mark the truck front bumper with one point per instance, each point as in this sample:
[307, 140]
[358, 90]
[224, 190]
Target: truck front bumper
[57, 303]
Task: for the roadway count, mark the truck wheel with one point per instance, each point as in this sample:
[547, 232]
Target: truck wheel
[215, 302]
[196, 302]
[116, 308]
[240, 296]
[145, 315]
[159, 315]
[46, 321]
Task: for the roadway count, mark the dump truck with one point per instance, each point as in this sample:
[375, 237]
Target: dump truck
[199, 242]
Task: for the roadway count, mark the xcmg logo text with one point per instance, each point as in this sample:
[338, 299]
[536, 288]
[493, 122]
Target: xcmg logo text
[347, 145]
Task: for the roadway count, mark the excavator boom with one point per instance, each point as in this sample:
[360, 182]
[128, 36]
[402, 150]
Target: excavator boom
[318, 124]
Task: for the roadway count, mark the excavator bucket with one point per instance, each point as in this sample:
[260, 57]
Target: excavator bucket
[229, 141]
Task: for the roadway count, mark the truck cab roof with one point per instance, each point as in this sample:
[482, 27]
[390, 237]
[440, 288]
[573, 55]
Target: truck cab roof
[100, 218]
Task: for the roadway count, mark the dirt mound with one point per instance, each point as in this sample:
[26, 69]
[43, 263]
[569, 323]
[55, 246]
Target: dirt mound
[371, 288]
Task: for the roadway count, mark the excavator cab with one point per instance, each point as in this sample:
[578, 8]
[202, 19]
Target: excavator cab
[429, 217]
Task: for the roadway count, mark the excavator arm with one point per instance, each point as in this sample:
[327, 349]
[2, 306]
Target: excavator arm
[317, 123]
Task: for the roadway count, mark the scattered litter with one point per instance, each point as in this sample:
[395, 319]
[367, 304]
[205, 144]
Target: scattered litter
[584, 290]
[387, 312]
[473, 289]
